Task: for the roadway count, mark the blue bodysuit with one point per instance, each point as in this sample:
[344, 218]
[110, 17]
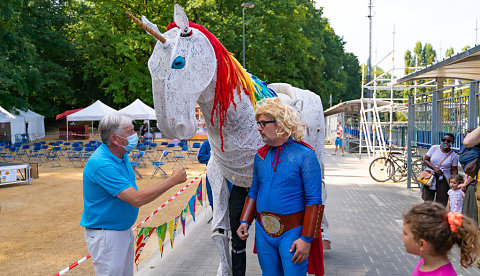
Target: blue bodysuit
[284, 182]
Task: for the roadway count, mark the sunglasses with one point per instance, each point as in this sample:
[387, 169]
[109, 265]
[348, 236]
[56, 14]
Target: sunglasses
[447, 141]
[263, 123]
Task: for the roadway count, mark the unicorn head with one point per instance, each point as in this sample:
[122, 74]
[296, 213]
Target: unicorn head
[182, 66]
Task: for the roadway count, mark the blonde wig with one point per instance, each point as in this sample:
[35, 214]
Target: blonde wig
[288, 120]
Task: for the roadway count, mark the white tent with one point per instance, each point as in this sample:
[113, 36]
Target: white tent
[94, 112]
[17, 125]
[138, 110]
[35, 121]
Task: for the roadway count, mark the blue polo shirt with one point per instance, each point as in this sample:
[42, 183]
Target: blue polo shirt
[104, 177]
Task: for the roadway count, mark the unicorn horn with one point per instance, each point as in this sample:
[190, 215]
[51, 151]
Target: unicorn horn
[148, 29]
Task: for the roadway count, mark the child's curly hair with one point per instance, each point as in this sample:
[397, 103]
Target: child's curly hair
[429, 221]
[457, 177]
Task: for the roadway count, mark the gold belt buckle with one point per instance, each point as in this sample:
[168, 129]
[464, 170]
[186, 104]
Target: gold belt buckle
[272, 225]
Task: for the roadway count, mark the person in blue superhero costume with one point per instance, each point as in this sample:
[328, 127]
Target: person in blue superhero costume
[285, 194]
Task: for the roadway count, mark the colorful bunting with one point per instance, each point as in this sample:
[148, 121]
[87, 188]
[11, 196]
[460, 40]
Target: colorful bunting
[171, 226]
[142, 238]
[199, 192]
[183, 216]
[191, 206]
[161, 233]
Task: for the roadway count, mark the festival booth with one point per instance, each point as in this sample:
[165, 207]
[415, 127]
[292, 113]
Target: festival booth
[10, 126]
[138, 110]
[66, 113]
[94, 112]
[34, 123]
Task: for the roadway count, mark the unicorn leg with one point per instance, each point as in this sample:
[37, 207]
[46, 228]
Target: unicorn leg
[326, 241]
[221, 242]
[324, 224]
[220, 221]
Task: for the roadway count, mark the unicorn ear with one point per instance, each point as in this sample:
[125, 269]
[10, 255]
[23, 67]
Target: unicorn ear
[181, 19]
[151, 25]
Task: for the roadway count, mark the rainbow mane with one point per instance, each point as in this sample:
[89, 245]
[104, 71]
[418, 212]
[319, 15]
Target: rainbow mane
[230, 76]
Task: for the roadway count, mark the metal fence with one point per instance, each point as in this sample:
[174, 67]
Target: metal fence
[433, 114]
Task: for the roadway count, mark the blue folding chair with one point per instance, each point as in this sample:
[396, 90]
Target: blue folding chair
[35, 152]
[23, 153]
[53, 156]
[136, 162]
[74, 155]
[150, 152]
[157, 165]
[11, 154]
[180, 157]
[86, 155]
[193, 152]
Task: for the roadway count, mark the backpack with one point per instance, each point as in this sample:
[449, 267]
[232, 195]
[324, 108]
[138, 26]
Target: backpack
[469, 158]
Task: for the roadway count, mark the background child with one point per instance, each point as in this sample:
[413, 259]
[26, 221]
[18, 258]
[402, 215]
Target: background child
[455, 194]
[429, 231]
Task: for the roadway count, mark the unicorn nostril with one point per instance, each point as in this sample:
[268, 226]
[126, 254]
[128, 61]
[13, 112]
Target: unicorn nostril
[180, 130]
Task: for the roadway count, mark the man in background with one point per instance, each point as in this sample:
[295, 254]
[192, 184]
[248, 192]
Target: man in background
[339, 139]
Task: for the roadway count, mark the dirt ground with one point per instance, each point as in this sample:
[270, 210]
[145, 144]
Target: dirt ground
[40, 232]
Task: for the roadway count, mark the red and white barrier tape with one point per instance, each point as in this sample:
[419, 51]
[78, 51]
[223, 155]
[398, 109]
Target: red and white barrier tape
[151, 215]
[168, 201]
[64, 133]
[73, 265]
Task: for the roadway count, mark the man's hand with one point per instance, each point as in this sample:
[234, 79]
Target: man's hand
[438, 171]
[242, 231]
[178, 176]
[302, 249]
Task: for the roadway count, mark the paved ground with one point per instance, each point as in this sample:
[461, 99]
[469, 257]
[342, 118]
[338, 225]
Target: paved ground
[365, 224]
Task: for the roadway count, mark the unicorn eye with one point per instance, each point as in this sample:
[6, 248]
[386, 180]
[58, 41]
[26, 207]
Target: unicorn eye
[178, 63]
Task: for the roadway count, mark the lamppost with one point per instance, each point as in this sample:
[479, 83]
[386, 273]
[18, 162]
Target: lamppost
[245, 5]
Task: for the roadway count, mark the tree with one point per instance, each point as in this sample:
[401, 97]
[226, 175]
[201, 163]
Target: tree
[62, 54]
[449, 52]
[34, 47]
[423, 56]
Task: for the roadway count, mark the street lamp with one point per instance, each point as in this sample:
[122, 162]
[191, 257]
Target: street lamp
[245, 5]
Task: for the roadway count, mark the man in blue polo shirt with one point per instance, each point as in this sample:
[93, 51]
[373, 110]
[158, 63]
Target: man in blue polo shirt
[111, 197]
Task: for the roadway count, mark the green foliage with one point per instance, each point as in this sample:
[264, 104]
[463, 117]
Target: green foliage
[449, 52]
[33, 46]
[422, 56]
[63, 54]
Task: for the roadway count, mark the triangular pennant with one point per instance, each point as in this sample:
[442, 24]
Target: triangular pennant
[161, 232]
[142, 238]
[191, 206]
[199, 192]
[172, 225]
[183, 215]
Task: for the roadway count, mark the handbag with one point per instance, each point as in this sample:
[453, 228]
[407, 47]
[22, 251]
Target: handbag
[426, 177]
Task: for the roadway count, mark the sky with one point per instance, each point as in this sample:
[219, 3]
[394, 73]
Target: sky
[442, 23]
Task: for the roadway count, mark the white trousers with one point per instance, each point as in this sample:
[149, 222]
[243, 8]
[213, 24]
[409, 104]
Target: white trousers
[112, 251]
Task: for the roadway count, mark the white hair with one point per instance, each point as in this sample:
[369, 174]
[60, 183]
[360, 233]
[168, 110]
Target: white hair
[113, 124]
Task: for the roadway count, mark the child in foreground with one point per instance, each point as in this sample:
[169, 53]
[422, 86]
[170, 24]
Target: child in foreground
[429, 231]
[455, 194]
